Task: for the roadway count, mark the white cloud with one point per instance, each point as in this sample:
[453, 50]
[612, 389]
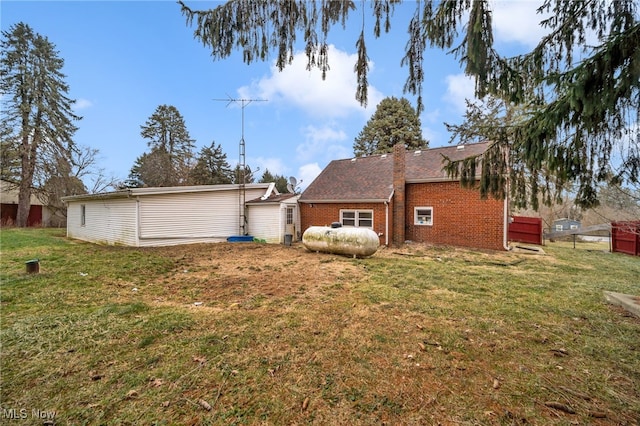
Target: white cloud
[518, 21]
[459, 88]
[82, 104]
[307, 173]
[274, 165]
[322, 142]
[332, 97]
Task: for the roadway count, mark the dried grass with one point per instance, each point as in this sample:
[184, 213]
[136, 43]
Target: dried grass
[263, 334]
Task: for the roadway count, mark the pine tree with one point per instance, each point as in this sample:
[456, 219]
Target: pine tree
[238, 174]
[153, 169]
[9, 155]
[584, 100]
[267, 177]
[167, 135]
[394, 121]
[280, 181]
[37, 117]
[281, 184]
[211, 167]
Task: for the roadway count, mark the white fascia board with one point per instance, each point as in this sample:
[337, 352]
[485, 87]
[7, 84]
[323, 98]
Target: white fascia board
[371, 200]
[163, 190]
[195, 188]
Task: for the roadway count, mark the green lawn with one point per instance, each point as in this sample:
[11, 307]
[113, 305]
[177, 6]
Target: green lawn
[268, 334]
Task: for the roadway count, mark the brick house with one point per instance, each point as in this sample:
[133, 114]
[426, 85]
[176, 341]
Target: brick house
[406, 196]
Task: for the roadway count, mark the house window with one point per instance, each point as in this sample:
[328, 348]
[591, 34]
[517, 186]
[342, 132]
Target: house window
[574, 226]
[423, 216]
[358, 218]
[559, 228]
[289, 218]
[83, 215]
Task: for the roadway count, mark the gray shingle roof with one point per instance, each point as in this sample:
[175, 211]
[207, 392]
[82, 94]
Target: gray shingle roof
[370, 178]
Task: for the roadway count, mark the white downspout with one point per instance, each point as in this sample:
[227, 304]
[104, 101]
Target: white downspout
[386, 219]
[505, 231]
[138, 231]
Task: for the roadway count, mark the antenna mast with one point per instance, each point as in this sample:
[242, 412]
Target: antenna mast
[242, 169]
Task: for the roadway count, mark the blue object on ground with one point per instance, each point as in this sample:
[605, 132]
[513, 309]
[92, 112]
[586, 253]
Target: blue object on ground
[240, 238]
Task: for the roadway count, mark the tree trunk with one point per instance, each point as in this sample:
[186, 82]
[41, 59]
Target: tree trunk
[24, 204]
[28, 156]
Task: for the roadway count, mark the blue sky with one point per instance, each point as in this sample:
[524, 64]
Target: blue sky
[125, 58]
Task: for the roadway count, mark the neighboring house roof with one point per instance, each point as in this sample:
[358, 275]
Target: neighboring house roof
[132, 192]
[370, 179]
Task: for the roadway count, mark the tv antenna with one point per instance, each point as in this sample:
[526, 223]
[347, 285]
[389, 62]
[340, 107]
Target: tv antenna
[242, 167]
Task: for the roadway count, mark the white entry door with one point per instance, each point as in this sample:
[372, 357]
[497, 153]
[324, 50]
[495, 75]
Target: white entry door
[290, 223]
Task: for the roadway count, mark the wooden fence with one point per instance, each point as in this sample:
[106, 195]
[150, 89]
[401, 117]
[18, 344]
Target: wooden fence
[625, 237]
[524, 229]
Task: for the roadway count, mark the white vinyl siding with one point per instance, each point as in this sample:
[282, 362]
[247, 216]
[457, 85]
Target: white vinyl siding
[106, 221]
[269, 221]
[191, 217]
[159, 219]
[265, 222]
[196, 215]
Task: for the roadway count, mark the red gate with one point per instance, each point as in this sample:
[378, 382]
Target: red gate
[625, 237]
[525, 230]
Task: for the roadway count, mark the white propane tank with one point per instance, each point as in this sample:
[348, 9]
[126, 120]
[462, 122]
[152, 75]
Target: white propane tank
[357, 242]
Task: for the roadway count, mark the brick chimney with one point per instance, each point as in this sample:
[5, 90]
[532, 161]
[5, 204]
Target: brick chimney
[399, 158]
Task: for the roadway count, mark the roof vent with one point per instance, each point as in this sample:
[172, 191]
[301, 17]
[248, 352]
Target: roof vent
[353, 160]
[460, 147]
[383, 156]
[417, 152]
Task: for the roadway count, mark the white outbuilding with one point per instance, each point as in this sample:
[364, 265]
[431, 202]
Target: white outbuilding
[275, 219]
[165, 216]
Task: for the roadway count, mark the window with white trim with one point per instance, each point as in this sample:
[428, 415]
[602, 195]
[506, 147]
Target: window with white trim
[423, 216]
[357, 218]
[83, 215]
[289, 215]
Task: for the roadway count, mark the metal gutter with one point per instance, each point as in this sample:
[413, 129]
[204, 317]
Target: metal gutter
[101, 196]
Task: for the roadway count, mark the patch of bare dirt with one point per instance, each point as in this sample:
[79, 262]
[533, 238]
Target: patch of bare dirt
[223, 274]
[228, 273]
